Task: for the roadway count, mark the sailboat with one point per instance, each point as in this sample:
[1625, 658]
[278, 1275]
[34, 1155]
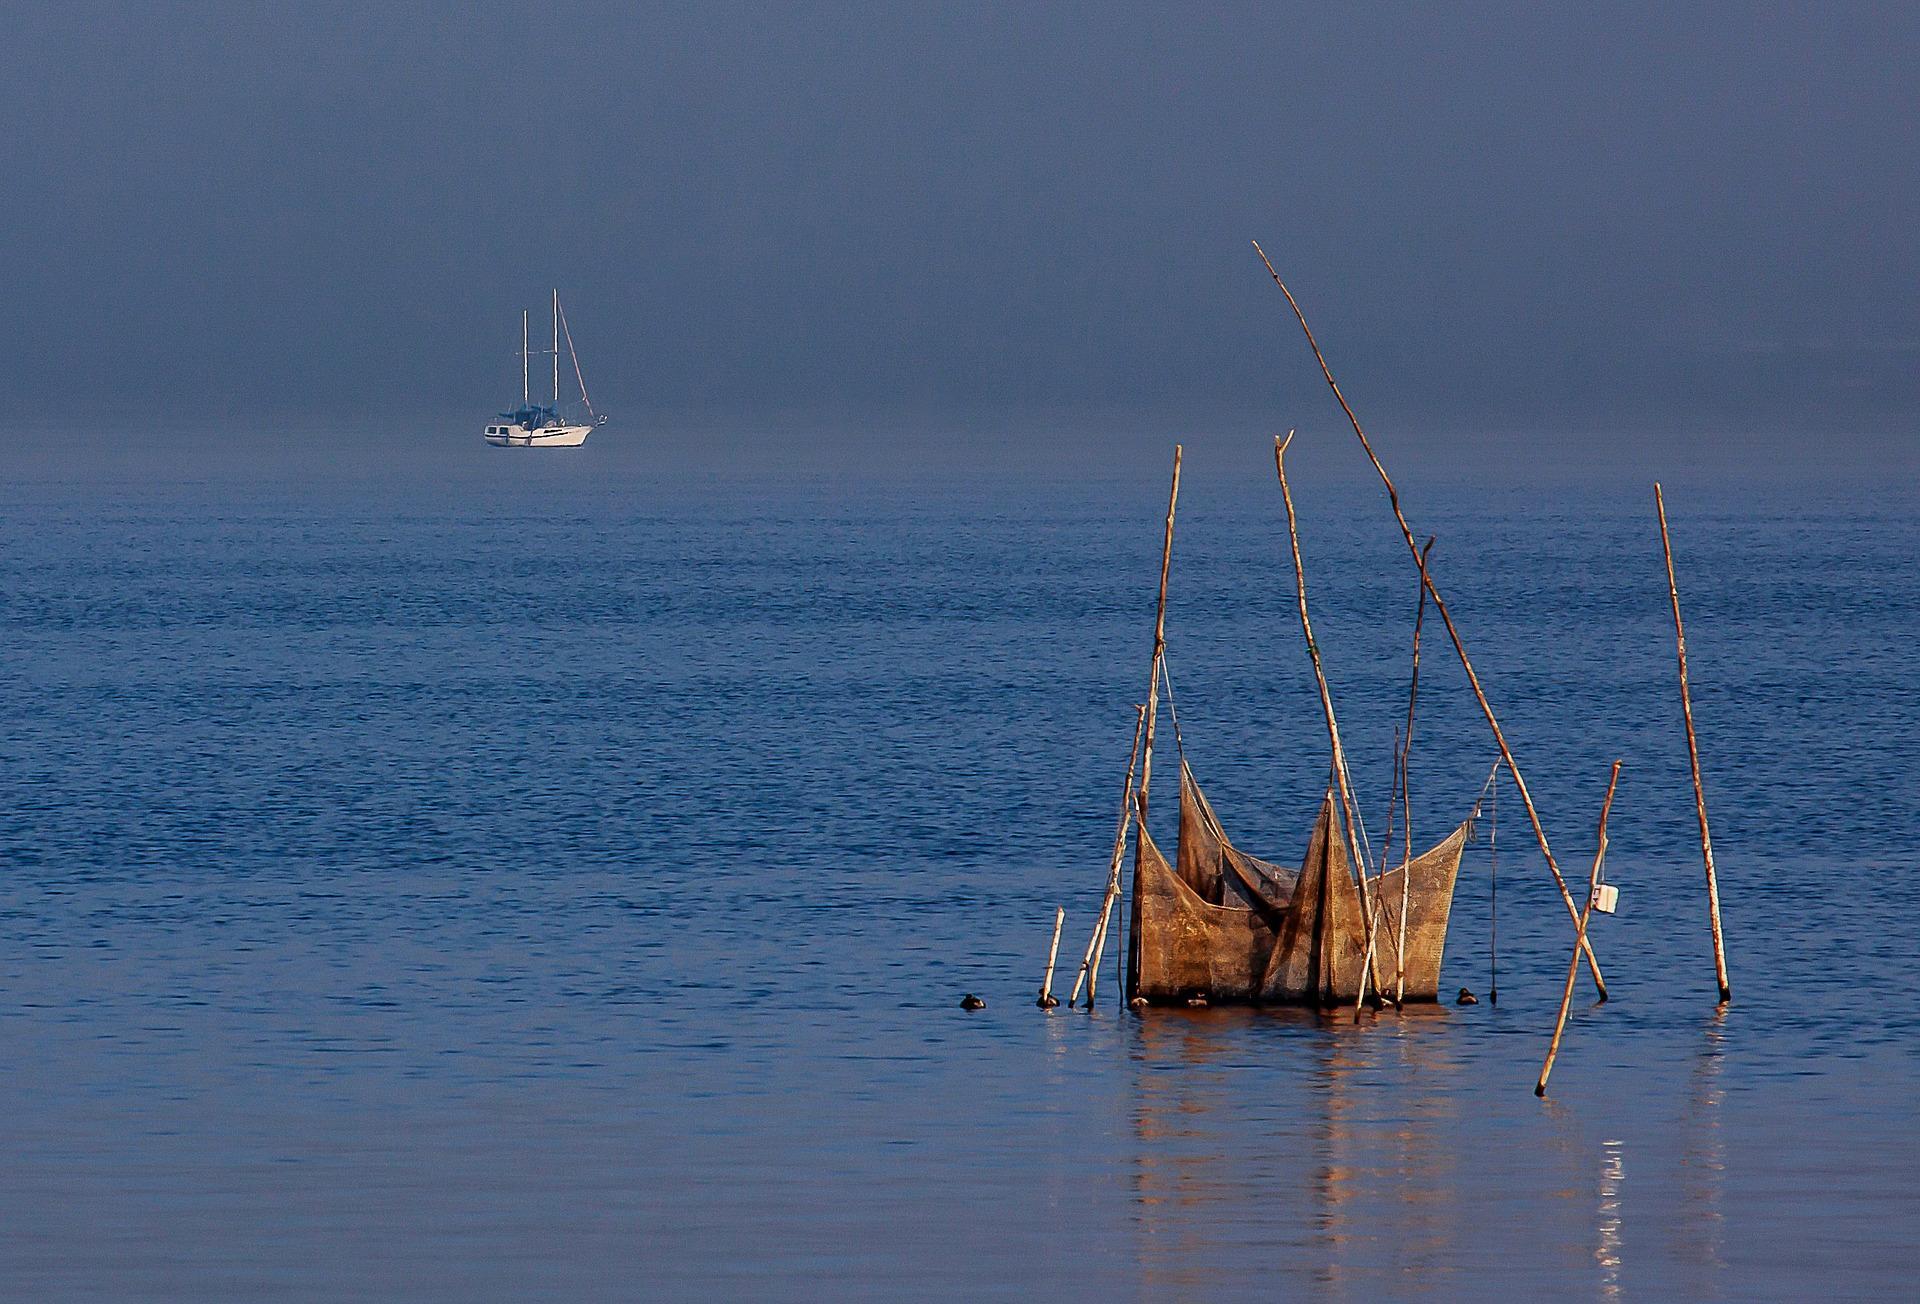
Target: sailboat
[545, 425]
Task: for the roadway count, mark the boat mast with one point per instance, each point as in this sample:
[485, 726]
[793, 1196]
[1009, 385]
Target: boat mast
[556, 351]
[526, 395]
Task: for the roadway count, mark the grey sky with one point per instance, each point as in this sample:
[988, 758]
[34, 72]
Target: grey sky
[1690, 217]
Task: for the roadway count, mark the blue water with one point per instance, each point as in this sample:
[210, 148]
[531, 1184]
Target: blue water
[556, 881]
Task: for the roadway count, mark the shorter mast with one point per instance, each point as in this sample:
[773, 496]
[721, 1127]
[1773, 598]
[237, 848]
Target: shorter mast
[526, 392]
[556, 354]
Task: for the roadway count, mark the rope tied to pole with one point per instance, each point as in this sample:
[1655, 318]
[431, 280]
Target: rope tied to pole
[1166, 678]
[1490, 798]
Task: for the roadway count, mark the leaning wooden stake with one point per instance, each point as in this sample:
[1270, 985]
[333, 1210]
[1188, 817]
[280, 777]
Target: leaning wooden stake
[1693, 755]
[1426, 580]
[1326, 710]
[1097, 942]
[1153, 713]
[1047, 999]
[1573, 965]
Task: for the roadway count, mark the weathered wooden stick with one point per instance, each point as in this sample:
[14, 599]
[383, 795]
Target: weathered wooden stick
[1159, 642]
[1406, 800]
[1047, 999]
[1573, 965]
[1393, 800]
[1386, 851]
[1326, 710]
[1153, 688]
[1426, 582]
[1693, 756]
[1097, 941]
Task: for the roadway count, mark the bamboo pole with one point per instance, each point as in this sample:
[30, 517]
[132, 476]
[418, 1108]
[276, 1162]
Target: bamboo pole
[1573, 965]
[1426, 582]
[1047, 999]
[1386, 855]
[1326, 710]
[1097, 941]
[1153, 703]
[1393, 800]
[1159, 642]
[1693, 757]
[1406, 799]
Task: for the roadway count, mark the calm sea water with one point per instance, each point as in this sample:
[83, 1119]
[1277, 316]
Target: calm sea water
[555, 883]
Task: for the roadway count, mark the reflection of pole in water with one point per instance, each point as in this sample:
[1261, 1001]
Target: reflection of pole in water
[1333, 1168]
[1704, 1160]
[1185, 1184]
[1607, 1251]
[1386, 1192]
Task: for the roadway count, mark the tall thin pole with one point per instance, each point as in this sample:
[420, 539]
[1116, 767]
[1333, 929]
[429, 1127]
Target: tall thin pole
[1573, 965]
[1326, 709]
[526, 391]
[1460, 649]
[1406, 797]
[556, 350]
[1097, 943]
[1152, 717]
[1693, 756]
[1159, 640]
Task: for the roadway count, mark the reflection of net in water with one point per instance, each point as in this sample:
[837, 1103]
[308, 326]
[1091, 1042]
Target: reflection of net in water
[1333, 1176]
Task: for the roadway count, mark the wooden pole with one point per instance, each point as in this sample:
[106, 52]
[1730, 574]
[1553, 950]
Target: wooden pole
[1573, 965]
[1097, 942]
[1393, 801]
[1159, 641]
[1047, 999]
[1326, 709]
[1153, 686]
[1693, 756]
[1406, 799]
[1460, 649]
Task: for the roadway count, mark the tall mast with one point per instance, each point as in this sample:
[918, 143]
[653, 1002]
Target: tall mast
[556, 350]
[526, 395]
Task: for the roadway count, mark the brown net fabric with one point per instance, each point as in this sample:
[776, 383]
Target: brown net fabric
[1429, 902]
[1231, 928]
[1321, 948]
[1216, 869]
[1185, 946]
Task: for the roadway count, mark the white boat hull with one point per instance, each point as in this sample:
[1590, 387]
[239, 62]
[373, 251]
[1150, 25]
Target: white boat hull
[544, 437]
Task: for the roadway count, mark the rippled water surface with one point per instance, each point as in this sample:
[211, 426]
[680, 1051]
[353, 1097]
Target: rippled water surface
[555, 884]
